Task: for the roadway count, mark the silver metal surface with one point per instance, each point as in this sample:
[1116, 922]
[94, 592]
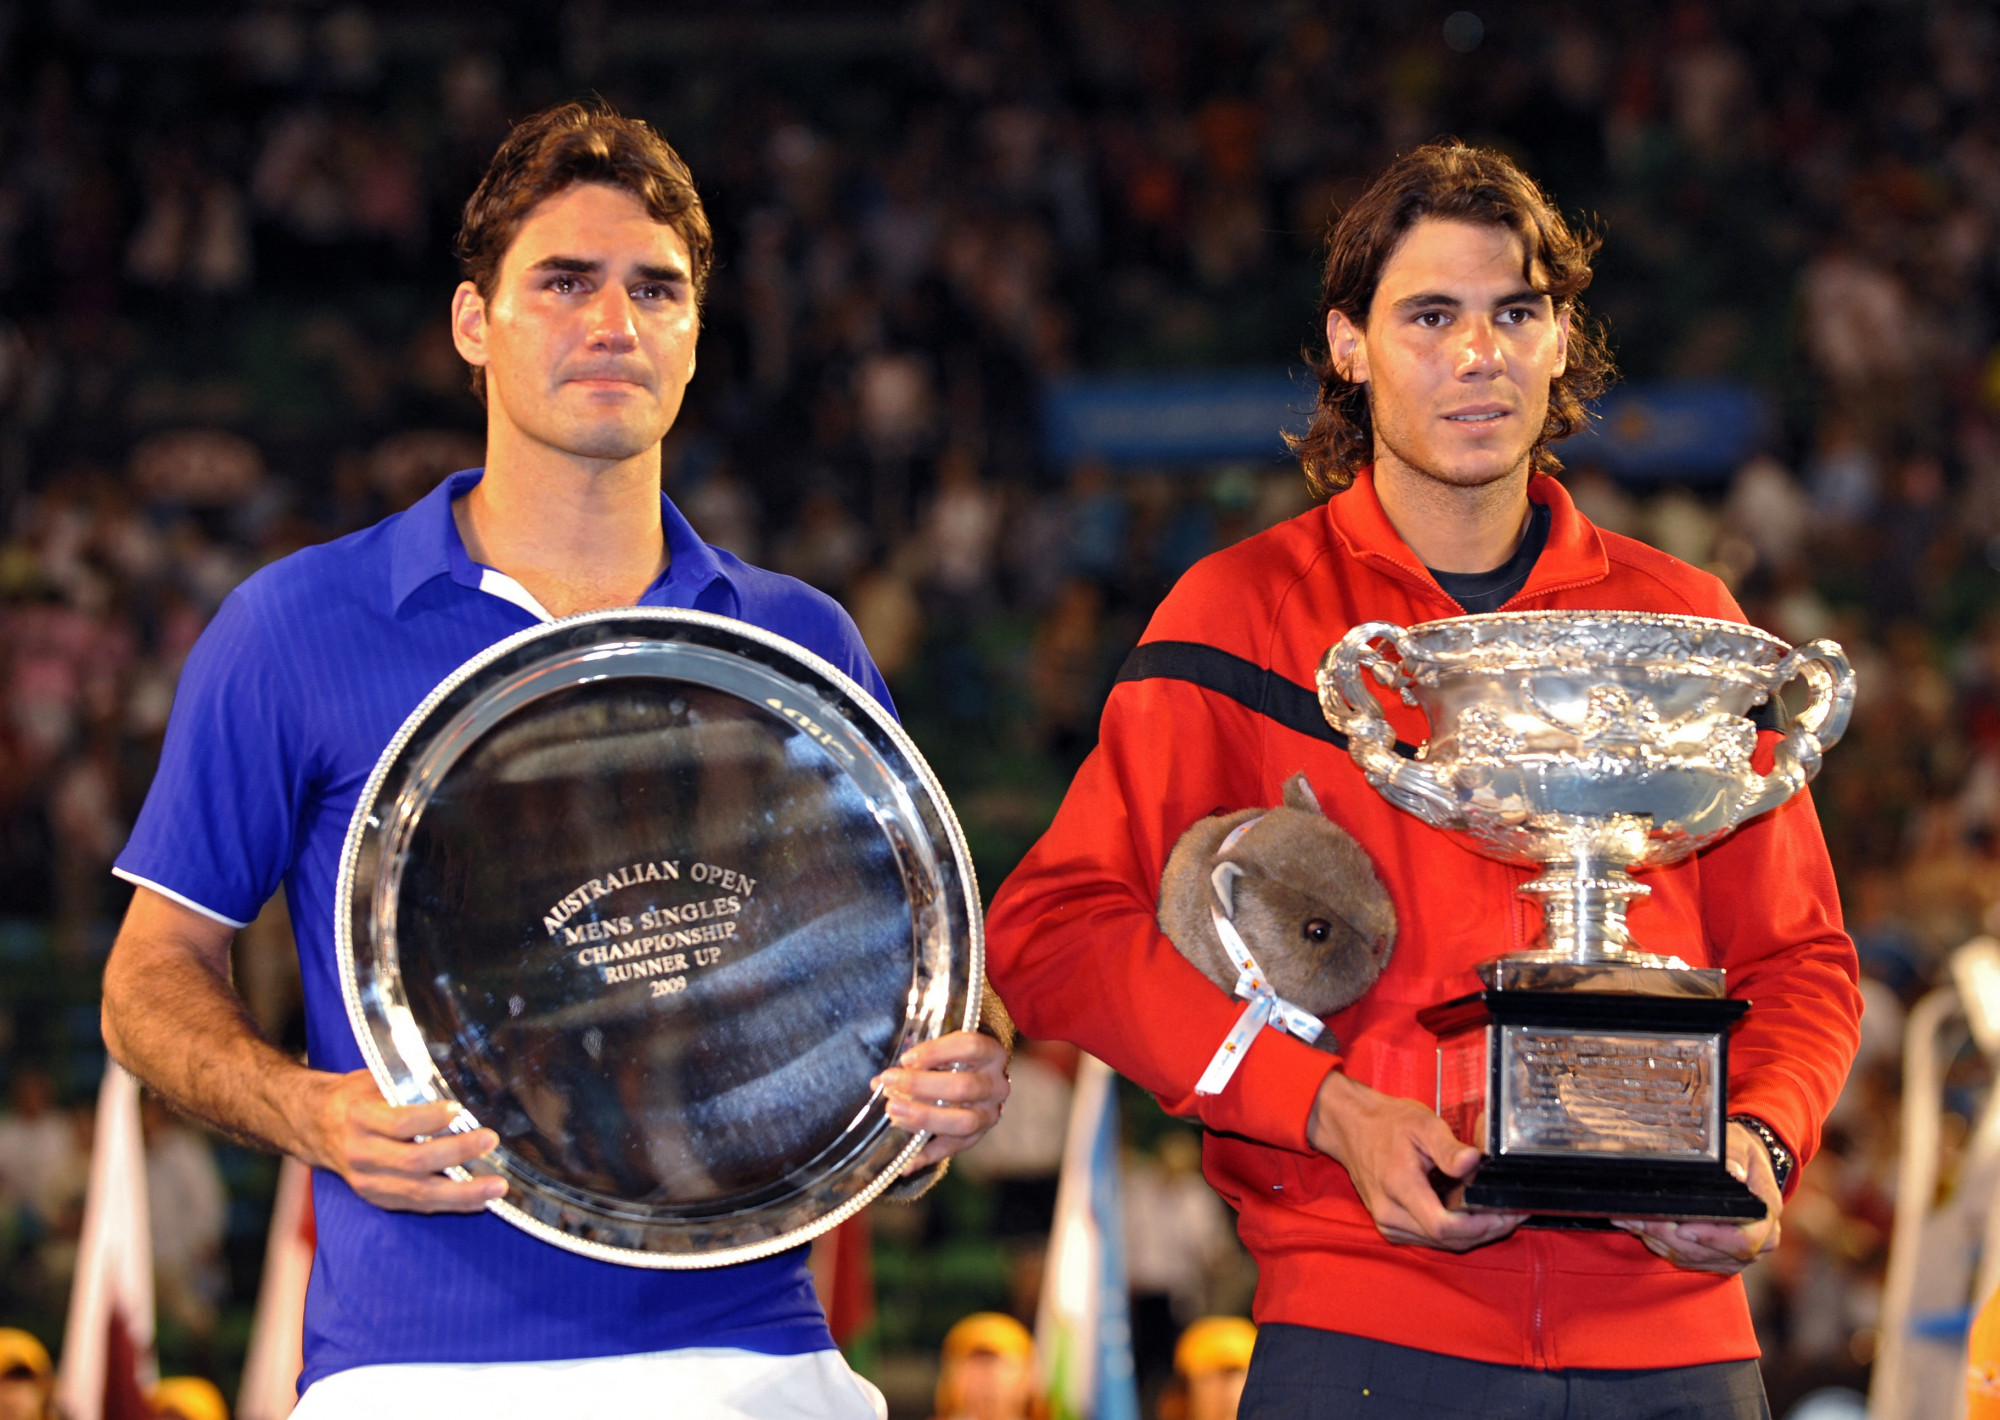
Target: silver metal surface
[1524, 971]
[654, 894]
[1587, 743]
[1632, 1095]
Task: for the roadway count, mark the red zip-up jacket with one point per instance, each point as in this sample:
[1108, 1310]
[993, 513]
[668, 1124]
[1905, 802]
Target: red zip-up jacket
[1212, 714]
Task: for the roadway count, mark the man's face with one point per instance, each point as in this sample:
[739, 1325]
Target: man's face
[1457, 355]
[588, 341]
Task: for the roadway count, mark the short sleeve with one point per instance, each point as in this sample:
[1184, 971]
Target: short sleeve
[830, 633]
[852, 656]
[220, 823]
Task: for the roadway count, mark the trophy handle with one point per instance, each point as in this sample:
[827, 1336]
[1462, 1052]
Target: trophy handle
[1816, 729]
[1349, 706]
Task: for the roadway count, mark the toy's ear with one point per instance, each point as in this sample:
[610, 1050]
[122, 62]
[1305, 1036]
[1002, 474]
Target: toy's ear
[1299, 795]
[1224, 877]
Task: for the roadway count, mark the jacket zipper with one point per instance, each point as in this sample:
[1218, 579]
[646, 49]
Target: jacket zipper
[1539, 1290]
[1552, 590]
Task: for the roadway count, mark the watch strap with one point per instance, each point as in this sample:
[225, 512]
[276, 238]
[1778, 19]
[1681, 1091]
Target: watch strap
[1783, 1160]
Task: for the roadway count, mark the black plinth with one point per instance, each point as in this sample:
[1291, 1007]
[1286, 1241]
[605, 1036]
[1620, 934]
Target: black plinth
[1591, 1105]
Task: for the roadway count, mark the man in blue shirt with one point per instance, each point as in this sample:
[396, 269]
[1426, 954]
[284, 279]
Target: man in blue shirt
[586, 251]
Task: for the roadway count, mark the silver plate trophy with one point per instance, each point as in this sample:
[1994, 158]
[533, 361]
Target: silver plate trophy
[1590, 744]
[654, 894]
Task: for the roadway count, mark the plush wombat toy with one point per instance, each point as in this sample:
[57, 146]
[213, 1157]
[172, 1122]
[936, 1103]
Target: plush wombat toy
[1302, 899]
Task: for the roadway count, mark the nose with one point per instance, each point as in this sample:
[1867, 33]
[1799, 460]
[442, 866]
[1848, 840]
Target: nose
[610, 327]
[1478, 353]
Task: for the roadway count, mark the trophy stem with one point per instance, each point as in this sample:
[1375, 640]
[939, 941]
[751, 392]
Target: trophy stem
[1583, 910]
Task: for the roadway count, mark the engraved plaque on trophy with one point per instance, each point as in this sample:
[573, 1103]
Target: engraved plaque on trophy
[1591, 1074]
[654, 895]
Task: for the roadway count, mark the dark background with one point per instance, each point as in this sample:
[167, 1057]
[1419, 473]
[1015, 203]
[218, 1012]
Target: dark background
[224, 271]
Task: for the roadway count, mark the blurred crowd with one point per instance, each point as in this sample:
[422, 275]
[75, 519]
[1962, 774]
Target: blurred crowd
[224, 266]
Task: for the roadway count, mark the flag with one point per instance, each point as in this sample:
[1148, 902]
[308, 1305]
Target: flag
[277, 1334]
[1083, 1331]
[107, 1359]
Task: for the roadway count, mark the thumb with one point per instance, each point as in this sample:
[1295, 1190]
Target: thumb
[1447, 1151]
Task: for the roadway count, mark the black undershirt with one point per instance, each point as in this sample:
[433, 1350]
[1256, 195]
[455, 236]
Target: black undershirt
[1489, 591]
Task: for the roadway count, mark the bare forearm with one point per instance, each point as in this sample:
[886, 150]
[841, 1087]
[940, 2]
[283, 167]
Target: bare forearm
[172, 1018]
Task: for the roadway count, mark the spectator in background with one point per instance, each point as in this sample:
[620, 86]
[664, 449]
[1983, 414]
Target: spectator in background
[987, 1371]
[1176, 1231]
[43, 1168]
[27, 1379]
[189, 1207]
[1211, 1362]
[187, 1398]
[1020, 1159]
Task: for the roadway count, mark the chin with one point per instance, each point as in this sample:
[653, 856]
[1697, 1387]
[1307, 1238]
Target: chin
[610, 442]
[1475, 472]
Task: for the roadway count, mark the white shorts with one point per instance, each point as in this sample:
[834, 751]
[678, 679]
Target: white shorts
[718, 1381]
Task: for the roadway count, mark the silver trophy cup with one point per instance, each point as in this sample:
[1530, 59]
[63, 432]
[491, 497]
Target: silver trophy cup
[1592, 745]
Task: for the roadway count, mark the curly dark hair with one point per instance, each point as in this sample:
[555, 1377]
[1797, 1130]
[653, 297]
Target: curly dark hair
[1455, 181]
[549, 152]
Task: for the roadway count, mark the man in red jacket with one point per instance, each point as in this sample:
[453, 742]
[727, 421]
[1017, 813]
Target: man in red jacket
[1457, 353]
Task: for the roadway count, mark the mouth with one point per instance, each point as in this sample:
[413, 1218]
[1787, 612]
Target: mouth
[1483, 414]
[606, 382]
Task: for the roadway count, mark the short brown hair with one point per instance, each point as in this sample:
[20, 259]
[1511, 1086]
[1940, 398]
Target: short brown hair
[1459, 183]
[552, 151]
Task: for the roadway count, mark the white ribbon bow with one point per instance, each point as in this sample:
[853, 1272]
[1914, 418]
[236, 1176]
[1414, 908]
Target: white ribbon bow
[1267, 1007]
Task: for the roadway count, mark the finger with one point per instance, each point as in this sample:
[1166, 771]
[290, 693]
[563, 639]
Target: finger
[407, 1121]
[1411, 1194]
[932, 1151]
[1711, 1248]
[960, 1047]
[948, 1121]
[1465, 1231]
[951, 1086]
[1719, 1238]
[419, 1161]
[1446, 1151]
[432, 1155]
[435, 1194]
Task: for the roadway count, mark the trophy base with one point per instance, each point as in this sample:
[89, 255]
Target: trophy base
[1596, 1090]
[1579, 1193]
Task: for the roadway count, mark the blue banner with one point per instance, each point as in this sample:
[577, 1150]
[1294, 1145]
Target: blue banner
[1672, 432]
[1175, 418]
[1666, 431]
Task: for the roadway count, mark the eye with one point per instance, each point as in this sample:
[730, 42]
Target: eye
[1318, 930]
[562, 285]
[1431, 320]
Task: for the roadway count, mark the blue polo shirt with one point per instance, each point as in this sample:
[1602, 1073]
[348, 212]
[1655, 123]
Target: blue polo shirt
[287, 701]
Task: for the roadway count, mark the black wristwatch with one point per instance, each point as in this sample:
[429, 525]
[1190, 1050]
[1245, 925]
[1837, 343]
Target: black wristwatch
[1783, 1161]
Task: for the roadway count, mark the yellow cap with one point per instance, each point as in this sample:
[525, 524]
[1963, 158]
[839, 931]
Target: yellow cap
[18, 1348]
[188, 1398]
[988, 1331]
[1215, 1343]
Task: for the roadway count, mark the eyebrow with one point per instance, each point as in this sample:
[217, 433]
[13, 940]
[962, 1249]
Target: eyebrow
[581, 266]
[1431, 300]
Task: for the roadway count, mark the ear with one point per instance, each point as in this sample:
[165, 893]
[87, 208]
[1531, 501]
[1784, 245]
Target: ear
[468, 323]
[1299, 795]
[1224, 877]
[1562, 344]
[1347, 343]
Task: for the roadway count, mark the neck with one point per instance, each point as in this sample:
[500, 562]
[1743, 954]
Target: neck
[580, 534]
[1453, 527]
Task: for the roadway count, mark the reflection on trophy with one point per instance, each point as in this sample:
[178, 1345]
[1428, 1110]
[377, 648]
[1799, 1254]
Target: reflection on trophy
[1590, 744]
